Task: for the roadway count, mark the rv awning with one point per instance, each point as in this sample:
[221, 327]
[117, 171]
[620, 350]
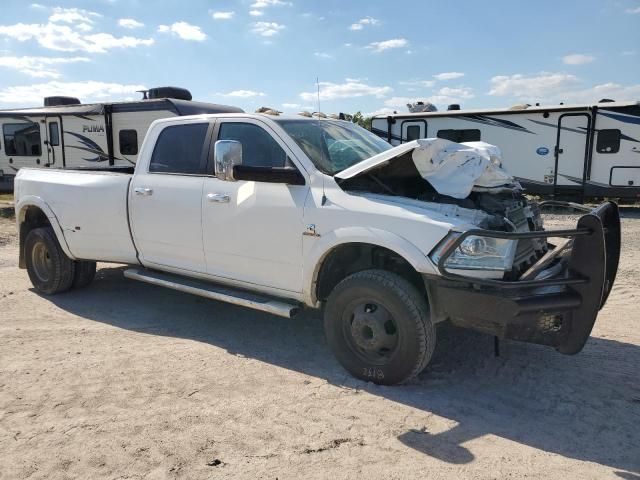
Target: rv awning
[87, 109]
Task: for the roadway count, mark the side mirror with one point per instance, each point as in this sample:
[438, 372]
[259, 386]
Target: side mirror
[226, 155]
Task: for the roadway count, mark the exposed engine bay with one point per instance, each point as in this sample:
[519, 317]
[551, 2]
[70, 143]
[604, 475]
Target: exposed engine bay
[501, 208]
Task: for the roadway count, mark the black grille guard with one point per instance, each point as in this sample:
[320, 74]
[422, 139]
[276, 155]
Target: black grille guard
[597, 240]
[520, 309]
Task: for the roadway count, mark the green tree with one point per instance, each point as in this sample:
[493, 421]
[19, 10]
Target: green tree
[360, 119]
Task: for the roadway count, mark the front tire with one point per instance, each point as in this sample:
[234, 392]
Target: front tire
[49, 269]
[379, 328]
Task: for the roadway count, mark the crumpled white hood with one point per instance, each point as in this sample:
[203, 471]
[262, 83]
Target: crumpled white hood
[453, 169]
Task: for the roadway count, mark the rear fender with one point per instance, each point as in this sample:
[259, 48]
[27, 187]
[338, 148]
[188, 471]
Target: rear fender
[21, 210]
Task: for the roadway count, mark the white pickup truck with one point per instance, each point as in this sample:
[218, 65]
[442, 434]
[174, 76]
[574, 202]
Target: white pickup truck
[277, 213]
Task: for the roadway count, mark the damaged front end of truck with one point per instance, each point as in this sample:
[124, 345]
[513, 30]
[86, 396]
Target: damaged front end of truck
[501, 272]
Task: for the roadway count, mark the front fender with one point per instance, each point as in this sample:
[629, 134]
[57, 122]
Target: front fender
[34, 201]
[323, 245]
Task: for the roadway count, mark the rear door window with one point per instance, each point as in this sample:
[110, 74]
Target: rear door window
[179, 150]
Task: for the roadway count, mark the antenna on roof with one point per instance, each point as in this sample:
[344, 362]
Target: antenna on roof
[318, 87]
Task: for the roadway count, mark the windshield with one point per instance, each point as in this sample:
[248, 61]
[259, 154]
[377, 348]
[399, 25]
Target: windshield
[333, 145]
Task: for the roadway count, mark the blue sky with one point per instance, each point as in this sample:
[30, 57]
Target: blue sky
[369, 55]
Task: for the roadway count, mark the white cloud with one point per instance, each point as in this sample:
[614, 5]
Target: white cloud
[533, 87]
[72, 15]
[87, 91]
[418, 83]
[243, 94]
[628, 53]
[443, 96]
[39, 67]
[267, 29]
[68, 31]
[381, 111]
[223, 15]
[387, 44]
[292, 106]
[360, 24]
[559, 87]
[259, 5]
[593, 94]
[37, 6]
[269, 3]
[448, 75]
[322, 55]
[130, 23]
[577, 59]
[333, 91]
[184, 30]
[633, 10]
[398, 101]
[449, 95]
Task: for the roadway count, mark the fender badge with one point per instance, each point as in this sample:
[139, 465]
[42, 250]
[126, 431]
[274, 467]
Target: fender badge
[311, 231]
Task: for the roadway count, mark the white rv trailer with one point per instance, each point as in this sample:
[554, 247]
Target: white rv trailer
[575, 150]
[67, 134]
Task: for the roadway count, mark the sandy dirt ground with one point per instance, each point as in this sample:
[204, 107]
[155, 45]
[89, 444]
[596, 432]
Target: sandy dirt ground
[126, 380]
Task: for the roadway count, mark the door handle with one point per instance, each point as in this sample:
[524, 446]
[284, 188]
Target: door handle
[218, 197]
[143, 191]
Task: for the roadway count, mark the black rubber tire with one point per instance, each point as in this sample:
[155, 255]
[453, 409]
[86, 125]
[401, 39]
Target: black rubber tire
[60, 268]
[85, 271]
[410, 312]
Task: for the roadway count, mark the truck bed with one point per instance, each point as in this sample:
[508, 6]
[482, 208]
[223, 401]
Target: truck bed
[90, 207]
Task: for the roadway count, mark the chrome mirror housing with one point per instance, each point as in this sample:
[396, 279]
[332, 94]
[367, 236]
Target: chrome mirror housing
[226, 155]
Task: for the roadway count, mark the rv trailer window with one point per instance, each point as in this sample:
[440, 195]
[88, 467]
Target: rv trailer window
[179, 149]
[128, 142]
[608, 141]
[54, 134]
[459, 136]
[413, 132]
[22, 139]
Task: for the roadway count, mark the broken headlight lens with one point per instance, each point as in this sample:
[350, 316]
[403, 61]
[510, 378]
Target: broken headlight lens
[477, 253]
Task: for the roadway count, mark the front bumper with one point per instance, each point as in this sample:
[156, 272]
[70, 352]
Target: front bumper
[559, 310]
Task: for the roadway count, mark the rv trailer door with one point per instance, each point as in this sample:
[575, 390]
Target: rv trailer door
[53, 142]
[572, 147]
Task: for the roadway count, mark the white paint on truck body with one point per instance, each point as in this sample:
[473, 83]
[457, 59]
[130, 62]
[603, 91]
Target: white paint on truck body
[255, 240]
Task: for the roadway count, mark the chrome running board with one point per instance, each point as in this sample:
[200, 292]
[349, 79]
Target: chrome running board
[214, 292]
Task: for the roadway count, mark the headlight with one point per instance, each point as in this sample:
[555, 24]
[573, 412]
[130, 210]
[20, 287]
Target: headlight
[477, 253]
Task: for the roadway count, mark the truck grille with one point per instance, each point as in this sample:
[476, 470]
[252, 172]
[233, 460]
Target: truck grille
[526, 219]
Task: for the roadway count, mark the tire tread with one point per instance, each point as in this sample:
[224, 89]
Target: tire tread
[412, 299]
